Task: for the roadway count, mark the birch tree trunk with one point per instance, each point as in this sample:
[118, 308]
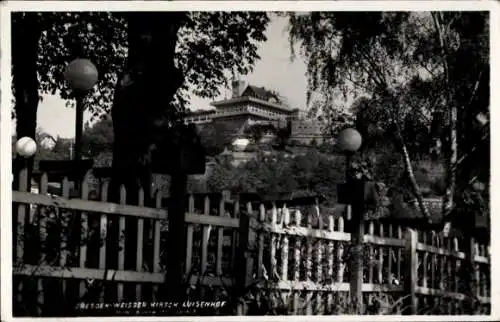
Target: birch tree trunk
[407, 159]
[451, 107]
[413, 181]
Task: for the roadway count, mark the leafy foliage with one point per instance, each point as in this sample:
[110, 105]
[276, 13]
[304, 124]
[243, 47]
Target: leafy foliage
[98, 138]
[98, 36]
[210, 45]
[280, 172]
[409, 69]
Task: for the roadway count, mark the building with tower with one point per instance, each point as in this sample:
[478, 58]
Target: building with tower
[250, 105]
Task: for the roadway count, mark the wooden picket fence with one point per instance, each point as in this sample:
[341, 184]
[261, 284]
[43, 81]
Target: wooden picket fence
[308, 257]
[295, 257]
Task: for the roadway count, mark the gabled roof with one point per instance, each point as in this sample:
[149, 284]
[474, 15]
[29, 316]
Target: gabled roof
[260, 92]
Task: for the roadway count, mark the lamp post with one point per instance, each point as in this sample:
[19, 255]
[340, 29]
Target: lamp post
[81, 75]
[352, 193]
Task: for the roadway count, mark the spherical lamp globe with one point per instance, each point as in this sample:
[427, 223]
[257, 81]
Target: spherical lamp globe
[240, 144]
[349, 140]
[81, 74]
[26, 147]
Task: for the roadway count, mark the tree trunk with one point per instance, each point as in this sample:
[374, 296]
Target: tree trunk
[174, 289]
[143, 96]
[142, 113]
[453, 119]
[26, 33]
[413, 182]
[407, 162]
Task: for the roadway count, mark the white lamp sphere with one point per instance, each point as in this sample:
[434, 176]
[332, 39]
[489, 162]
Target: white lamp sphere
[240, 144]
[349, 140]
[26, 147]
[81, 74]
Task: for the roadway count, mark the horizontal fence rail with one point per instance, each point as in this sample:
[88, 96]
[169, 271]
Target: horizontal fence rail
[68, 250]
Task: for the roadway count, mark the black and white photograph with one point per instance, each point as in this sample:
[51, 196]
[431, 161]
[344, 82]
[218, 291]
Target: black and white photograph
[198, 158]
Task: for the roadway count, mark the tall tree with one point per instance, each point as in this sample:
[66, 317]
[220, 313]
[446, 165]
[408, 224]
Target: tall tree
[204, 45]
[390, 57]
[196, 50]
[168, 51]
[463, 42]
[42, 44]
[147, 64]
[25, 35]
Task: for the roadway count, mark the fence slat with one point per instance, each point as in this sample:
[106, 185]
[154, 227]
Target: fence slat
[273, 269]
[156, 243]
[103, 226]
[456, 270]
[260, 255]
[205, 238]
[156, 250]
[341, 224]
[42, 231]
[425, 256]
[42, 218]
[245, 259]
[399, 252]
[390, 254]
[340, 253]
[319, 261]
[380, 263]
[371, 255]
[319, 275]
[442, 264]
[309, 266]
[20, 230]
[234, 233]
[64, 225]
[449, 277]
[189, 237]
[140, 245]
[84, 194]
[330, 256]
[220, 239]
[285, 246]
[121, 243]
[296, 266]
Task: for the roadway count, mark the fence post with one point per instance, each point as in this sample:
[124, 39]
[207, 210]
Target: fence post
[19, 219]
[411, 271]
[471, 282]
[246, 242]
[357, 257]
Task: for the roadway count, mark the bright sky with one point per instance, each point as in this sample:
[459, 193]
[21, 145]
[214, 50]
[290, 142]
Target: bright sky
[274, 71]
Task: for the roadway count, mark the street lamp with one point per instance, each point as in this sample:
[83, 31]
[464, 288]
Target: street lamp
[352, 193]
[349, 141]
[25, 147]
[81, 75]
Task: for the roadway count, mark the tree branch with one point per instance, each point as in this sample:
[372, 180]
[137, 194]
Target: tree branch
[382, 82]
